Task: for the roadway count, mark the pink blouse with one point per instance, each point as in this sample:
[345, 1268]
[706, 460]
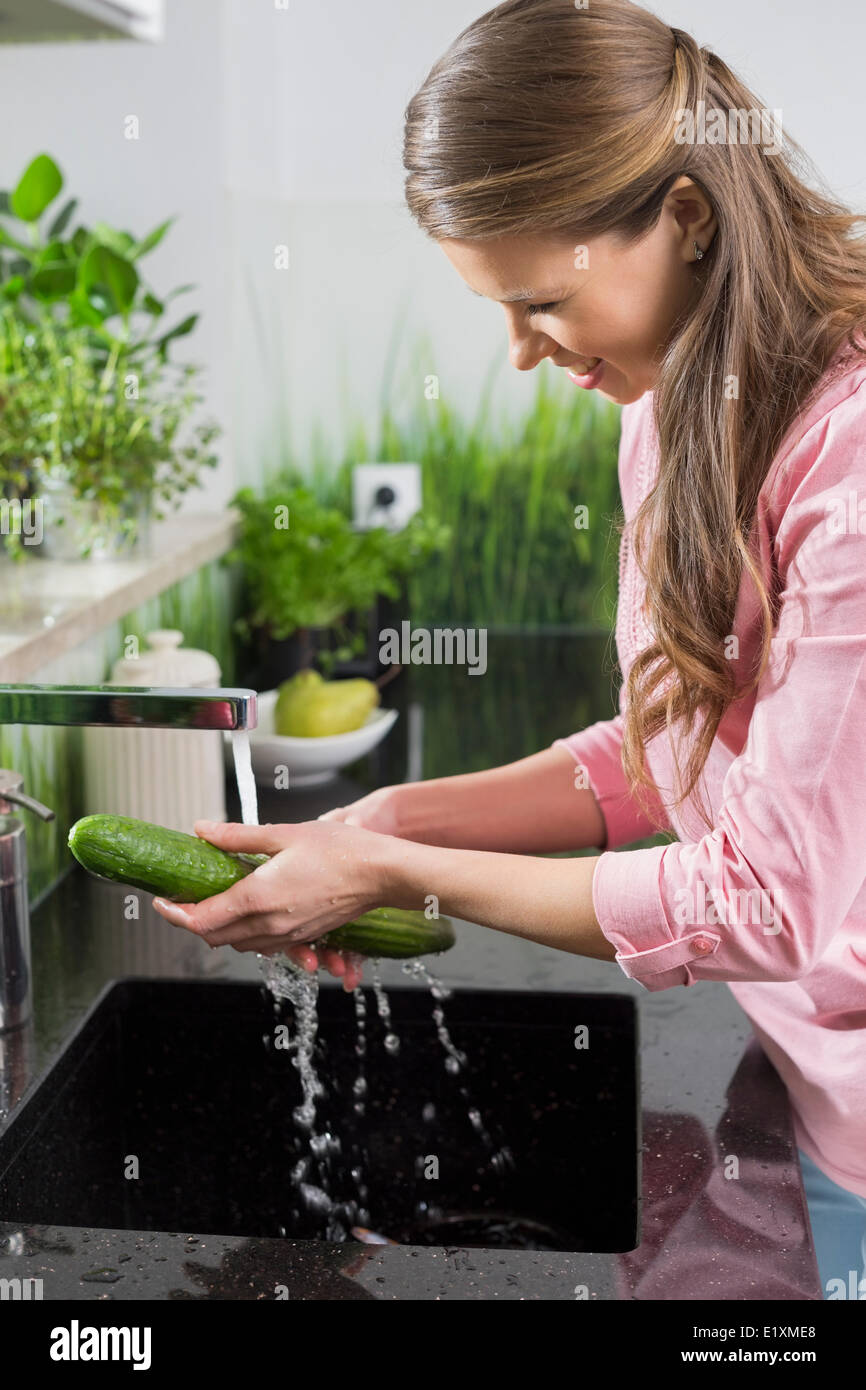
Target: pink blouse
[772, 900]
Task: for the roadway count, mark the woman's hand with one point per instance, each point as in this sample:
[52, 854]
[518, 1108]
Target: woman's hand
[376, 811]
[319, 876]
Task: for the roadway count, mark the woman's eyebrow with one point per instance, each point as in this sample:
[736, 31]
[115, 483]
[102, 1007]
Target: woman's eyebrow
[520, 295]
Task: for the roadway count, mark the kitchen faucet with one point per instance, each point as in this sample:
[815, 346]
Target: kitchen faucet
[146, 707]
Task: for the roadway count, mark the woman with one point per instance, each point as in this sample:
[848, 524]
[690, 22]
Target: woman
[623, 196]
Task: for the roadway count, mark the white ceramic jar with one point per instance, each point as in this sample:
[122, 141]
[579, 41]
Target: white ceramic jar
[169, 776]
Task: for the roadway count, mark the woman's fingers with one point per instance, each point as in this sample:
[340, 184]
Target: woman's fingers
[261, 932]
[224, 917]
[333, 961]
[352, 978]
[274, 927]
[229, 919]
[244, 839]
[176, 913]
[260, 946]
[304, 956]
[341, 965]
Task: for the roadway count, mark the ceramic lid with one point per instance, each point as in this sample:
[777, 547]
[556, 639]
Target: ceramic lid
[165, 662]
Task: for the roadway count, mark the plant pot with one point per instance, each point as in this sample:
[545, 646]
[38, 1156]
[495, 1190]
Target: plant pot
[275, 661]
[76, 528]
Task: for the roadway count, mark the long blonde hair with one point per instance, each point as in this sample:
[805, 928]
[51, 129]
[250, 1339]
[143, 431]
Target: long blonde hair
[545, 119]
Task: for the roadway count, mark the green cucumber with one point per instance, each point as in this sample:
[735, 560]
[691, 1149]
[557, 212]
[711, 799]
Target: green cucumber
[186, 869]
[168, 863]
[395, 933]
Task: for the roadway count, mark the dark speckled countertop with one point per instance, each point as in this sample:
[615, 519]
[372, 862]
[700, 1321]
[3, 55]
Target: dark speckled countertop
[708, 1091]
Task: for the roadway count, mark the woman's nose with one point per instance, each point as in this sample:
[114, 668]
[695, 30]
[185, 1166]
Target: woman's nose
[526, 350]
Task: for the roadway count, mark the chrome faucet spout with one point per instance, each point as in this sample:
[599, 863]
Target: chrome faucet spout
[146, 707]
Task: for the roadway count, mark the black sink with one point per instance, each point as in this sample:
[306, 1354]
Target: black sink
[181, 1082]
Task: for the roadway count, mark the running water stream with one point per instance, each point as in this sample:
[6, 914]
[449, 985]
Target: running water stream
[244, 777]
[312, 1173]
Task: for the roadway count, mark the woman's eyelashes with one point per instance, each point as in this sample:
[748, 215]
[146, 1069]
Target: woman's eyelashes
[533, 309]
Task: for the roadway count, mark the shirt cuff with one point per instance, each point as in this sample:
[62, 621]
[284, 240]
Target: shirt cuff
[628, 904]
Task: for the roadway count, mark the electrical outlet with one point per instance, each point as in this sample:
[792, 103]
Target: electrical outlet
[385, 494]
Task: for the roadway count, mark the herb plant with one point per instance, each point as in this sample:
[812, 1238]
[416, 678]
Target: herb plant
[114, 434]
[305, 567]
[88, 397]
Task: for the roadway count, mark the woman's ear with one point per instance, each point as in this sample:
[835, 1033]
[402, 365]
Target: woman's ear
[693, 213]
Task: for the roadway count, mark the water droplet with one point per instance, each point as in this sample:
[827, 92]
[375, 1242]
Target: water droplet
[314, 1198]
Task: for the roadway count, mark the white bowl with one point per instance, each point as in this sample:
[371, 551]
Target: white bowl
[308, 760]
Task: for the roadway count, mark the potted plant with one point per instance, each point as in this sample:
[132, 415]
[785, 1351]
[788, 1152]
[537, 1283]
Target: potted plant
[93, 416]
[312, 583]
[100, 457]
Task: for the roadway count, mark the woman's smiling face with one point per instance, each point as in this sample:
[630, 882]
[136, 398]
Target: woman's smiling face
[604, 299]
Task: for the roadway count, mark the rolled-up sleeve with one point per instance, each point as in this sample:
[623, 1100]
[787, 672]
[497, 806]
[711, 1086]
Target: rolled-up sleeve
[761, 896]
[598, 751]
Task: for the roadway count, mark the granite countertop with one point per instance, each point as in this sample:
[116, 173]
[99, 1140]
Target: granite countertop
[708, 1091]
[51, 606]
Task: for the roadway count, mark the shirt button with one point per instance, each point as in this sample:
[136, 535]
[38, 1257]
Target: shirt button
[701, 943]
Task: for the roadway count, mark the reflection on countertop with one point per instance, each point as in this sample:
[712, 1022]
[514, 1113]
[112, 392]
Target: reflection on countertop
[709, 1095]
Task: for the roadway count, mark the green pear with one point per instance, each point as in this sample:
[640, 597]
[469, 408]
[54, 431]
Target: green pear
[310, 707]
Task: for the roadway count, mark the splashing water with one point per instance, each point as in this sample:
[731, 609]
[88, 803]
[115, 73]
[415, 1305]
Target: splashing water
[455, 1060]
[501, 1157]
[312, 1176]
[359, 1087]
[286, 981]
[392, 1042]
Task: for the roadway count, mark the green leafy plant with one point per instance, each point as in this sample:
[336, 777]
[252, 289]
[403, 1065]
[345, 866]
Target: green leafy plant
[111, 433]
[89, 400]
[305, 567]
[88, 275]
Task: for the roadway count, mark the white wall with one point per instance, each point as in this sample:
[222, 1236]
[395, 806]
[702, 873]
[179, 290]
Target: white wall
[263, 126]
[333, 82]
[803, 58]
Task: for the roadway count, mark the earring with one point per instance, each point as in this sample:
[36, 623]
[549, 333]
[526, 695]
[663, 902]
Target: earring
[699, 255]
